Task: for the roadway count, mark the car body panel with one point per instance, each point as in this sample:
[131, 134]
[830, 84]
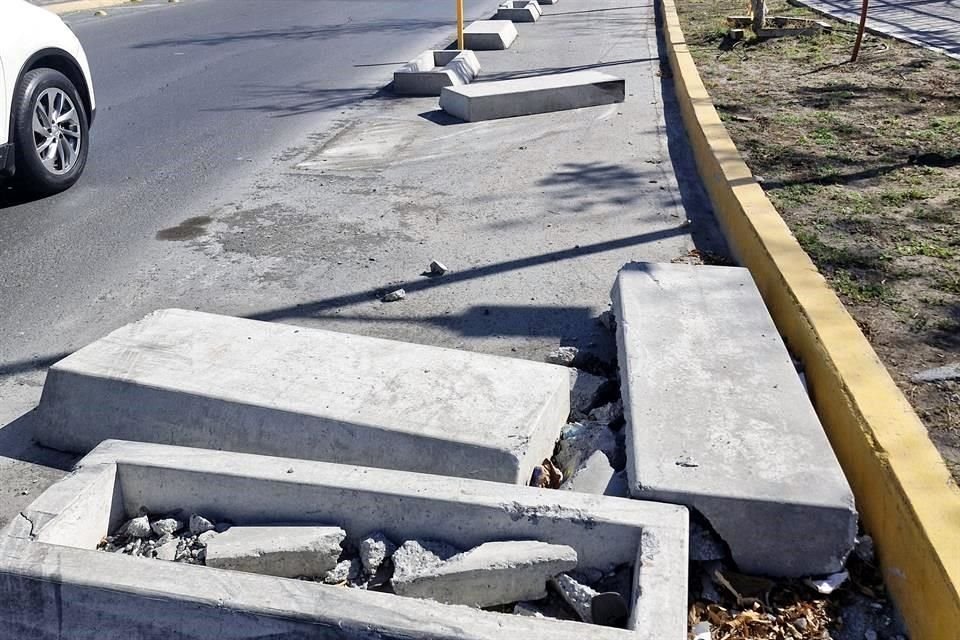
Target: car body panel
[28, 33]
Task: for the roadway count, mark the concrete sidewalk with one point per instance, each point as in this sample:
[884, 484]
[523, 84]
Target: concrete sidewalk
[533, 216]
[934, 24]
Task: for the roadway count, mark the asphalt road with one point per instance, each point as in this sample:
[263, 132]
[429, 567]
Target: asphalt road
[194, 99]
[244, 163]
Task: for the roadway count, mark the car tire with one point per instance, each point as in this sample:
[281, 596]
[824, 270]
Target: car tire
[51, 132]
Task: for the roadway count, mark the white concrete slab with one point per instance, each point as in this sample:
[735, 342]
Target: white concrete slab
[718, 420]
[432, 70]
[489, 35]
[52, 579]
[519, 11]
[203, 380]
[526, 96]
[285, 551]
[491, 574]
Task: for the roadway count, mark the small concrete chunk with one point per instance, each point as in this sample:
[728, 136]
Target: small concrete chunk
[493, 573]
[489, 35]
[288, 551]
[432, 70]
[216, 382]
[394, 296]
[717, 419]
[138, 527]
[536, 94]
[166, 526]
[416, 556]
[168, 551]
[374, 549]
[345, 571]
[563, 356]
[199, 524]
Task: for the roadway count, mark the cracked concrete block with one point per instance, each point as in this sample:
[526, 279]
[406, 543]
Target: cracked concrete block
[432, 70]
[536, 94]
[489, 35]
[491, 574]
[284, 551]
[216, 382]
[717, 419]
[49, 562]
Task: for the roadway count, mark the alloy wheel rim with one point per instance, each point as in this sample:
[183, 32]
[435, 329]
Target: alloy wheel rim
[56, 131]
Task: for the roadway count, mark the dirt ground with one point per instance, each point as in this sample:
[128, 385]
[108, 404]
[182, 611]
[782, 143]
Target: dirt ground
[863, 162]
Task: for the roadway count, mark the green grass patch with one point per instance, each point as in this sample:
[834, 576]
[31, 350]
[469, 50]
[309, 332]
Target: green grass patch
[900, 197]
[949, 283]
[860, 290]
[920, 247]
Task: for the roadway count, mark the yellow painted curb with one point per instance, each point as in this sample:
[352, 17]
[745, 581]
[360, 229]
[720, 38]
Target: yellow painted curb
[905, 494]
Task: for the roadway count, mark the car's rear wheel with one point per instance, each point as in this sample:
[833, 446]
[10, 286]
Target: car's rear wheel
[51, 134]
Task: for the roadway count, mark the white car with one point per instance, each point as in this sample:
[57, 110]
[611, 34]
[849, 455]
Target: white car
[46, 99]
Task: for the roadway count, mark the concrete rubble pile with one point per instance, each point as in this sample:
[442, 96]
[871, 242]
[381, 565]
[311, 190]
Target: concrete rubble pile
[525, 577]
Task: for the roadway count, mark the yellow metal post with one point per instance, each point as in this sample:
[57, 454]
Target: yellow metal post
[460, 24]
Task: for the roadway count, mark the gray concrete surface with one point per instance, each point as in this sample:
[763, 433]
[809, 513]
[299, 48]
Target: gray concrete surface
[934, 24]
[528, 96]
[216, 382]
[717, 419]
[287, 551]
[432, 70]
[519, 11]
[47, 557]
[352, 193]
[489, 35]
[494, 573]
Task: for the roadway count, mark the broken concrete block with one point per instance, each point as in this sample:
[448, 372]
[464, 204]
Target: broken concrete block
[578, 441]
[432, 70]
[609, 413]
[535, 94]
[578, 596]
[489, 35]
[288, 551]
[491, 574]
[584, 390]
[48, 560]
[216, 382]
[416, 556]
[374, 549]
[597, 476]
[199, 524]
[717, 419]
